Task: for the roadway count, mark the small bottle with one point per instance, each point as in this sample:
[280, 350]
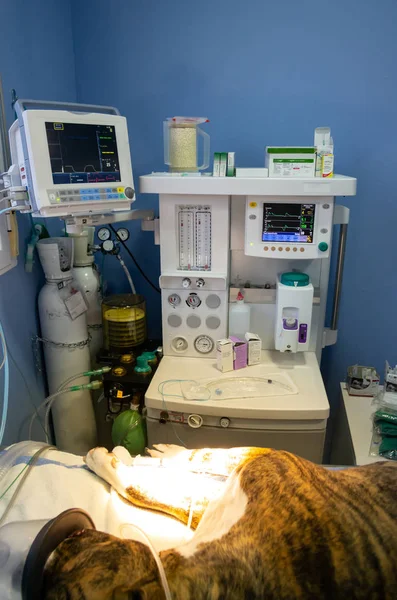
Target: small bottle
[142, 367]
[239, 317]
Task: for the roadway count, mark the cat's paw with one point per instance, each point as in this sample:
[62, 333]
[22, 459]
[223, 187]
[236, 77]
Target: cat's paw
[103, 463]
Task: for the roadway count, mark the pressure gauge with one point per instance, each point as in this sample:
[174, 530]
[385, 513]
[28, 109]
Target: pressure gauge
[204, 344]
[103, 234]
[123, 234]
[108, 246]
[179, 344]
[193, 300]
[174, 300]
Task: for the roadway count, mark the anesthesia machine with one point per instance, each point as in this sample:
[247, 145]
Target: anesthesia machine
[268, 241]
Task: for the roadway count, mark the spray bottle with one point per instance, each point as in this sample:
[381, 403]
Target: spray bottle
[239, 317]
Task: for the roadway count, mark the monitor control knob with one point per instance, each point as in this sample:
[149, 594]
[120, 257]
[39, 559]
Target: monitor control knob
[186, 282]
[129, 192]
[200, 282]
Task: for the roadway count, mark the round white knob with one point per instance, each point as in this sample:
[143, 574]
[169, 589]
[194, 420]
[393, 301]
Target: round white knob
[224, 422]
[186, 282]
[195, 421]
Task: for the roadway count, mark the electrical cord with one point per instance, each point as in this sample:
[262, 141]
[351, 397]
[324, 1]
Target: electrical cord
[135, 261]
[4, 348]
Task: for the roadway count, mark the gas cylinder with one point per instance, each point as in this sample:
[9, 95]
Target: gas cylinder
[65, 337]
[87, 278]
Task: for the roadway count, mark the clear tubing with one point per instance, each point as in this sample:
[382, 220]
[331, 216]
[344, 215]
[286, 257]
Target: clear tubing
[127, 273]
[5, 351]
[6, 385]
[13, 208]
[27, 470]
[9, 457]
[62, 388]
[163, 577]
[48, 399]
[49, 402]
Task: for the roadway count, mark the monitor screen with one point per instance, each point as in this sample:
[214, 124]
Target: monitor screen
[288, 223]
[82, 153]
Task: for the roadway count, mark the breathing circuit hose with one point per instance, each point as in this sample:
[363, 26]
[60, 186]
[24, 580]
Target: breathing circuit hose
[94, 385]
[61, 390]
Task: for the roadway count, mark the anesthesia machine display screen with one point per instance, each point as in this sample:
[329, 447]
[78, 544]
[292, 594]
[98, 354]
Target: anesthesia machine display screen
[288, 223]
[82, 153]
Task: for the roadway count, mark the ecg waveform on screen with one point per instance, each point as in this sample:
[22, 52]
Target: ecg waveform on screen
[288, 222]
[282, 227]
[282, 216]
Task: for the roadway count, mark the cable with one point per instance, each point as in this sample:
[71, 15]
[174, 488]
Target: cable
[25, 471]
[6, 385]
[161, 391]
[49, 398]
[163, 577]
[127, 274]
[13, 208]
[4, 349]
[61, 388]
[134, 259]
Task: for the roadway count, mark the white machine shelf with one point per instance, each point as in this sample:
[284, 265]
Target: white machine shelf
[165, 183]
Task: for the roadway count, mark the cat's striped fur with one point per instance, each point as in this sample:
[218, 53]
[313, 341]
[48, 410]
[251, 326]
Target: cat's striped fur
[299, 531]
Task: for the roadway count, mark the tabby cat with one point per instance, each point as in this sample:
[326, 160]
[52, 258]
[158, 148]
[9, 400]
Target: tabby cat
[279, 528]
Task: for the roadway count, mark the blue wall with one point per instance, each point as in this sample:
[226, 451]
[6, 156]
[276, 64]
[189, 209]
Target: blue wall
[37, 59]
[266, 73]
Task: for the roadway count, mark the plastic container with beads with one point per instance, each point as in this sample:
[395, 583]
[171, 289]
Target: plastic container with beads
[124, 322]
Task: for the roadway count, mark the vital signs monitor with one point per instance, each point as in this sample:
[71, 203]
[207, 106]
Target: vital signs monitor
[291, 227]
[73, 161]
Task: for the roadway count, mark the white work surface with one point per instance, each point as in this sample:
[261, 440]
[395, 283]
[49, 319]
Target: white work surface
[357, 411]
[309, 404]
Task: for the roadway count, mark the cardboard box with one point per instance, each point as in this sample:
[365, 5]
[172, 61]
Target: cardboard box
[230, 170]
[224, 355]
[217, 164]
[240, 349]
[254, 348]
[291, 161]
[223, 165]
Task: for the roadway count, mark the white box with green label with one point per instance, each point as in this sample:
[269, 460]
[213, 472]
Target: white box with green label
[291, 161]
